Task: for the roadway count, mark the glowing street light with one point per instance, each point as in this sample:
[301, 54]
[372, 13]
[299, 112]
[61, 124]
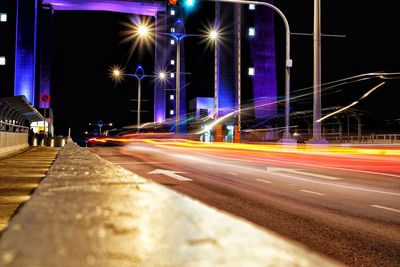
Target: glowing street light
[162, 75]
[117, 74]
[143, 30]
[213, 34]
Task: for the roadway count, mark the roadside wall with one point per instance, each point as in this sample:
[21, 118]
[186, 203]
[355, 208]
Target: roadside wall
[11, 142]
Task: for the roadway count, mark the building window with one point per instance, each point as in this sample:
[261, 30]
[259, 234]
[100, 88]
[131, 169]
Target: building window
[171, 112]
[3, 17]
[252, 31]
[252, 71]
[252, 6]
[172, 62]
[2, 61]
[171, 97]
[172, 75]
[172, 29]
[172, 12]
[172, 41]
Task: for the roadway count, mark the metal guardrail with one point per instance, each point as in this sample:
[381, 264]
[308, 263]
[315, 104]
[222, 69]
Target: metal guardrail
[11, 127]
[371, 139]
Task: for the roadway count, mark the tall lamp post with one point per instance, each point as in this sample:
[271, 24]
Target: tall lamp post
[139, 75]
[288, 61]
[178, 37]
[142, 31]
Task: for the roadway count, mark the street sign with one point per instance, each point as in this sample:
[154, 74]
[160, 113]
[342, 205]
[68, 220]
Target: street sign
[100, 123]
[45, 98]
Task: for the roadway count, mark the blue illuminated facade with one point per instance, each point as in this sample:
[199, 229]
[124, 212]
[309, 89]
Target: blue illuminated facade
[261, 57]
[25, 50]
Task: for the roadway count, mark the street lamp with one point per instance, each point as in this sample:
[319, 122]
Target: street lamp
[179, 36]
[211, 35]
[288, 61]
[100, 124]
[139, 75]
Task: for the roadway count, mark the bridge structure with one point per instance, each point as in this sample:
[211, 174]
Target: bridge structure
[249, 71]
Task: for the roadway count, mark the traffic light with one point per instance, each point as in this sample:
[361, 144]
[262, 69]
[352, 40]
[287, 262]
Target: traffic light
[186, 3]
[174, 2]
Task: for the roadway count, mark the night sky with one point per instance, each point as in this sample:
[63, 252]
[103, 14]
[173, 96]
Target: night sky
[86, 44]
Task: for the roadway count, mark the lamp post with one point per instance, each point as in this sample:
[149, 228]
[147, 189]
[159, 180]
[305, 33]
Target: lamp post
[100, 124]
[143, 31]
[178, 37]
[139, 75]
[288, 61]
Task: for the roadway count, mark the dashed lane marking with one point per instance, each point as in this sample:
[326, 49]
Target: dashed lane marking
[385, 208]
[264, 181]
[312, 192]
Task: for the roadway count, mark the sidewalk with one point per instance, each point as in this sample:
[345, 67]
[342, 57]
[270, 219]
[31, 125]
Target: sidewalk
[20, 174]
[90, 212]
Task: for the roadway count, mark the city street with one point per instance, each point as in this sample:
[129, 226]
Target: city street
[341, 201]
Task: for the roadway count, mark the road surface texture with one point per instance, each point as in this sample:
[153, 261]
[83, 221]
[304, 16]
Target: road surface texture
[20, 174]
[90, 212]
[342, 202]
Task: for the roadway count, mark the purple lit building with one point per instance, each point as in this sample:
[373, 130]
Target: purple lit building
[246, 67]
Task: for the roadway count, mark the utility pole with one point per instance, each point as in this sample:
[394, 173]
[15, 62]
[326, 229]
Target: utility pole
[317, 75]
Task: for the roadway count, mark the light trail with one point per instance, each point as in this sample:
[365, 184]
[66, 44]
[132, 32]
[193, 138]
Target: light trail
[352, 104]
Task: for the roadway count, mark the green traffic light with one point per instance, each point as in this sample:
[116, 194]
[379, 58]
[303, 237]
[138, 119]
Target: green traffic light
[189, 3]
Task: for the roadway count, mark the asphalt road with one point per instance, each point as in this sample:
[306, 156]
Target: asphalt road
[344, 203]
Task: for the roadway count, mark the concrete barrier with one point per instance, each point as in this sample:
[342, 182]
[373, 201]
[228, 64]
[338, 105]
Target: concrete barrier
[11, 142]
[90, 212]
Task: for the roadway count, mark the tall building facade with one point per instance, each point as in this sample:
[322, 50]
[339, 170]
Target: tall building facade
[246, 78]
[7, 47]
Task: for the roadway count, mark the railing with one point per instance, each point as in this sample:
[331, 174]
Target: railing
[371, 138]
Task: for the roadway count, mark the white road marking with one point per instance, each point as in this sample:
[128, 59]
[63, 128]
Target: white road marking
[264, 181]
[335, 168]
[145, 162]
[312, 192]
[385, 208]
[233, 173]
[171, 174]
[274, 169]
[337, 185]
[247, 160]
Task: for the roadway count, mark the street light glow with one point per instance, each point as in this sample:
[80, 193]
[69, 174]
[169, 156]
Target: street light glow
[116, 73]
[213, 34]
[143, 30]
[162, 75]
[140, 33]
